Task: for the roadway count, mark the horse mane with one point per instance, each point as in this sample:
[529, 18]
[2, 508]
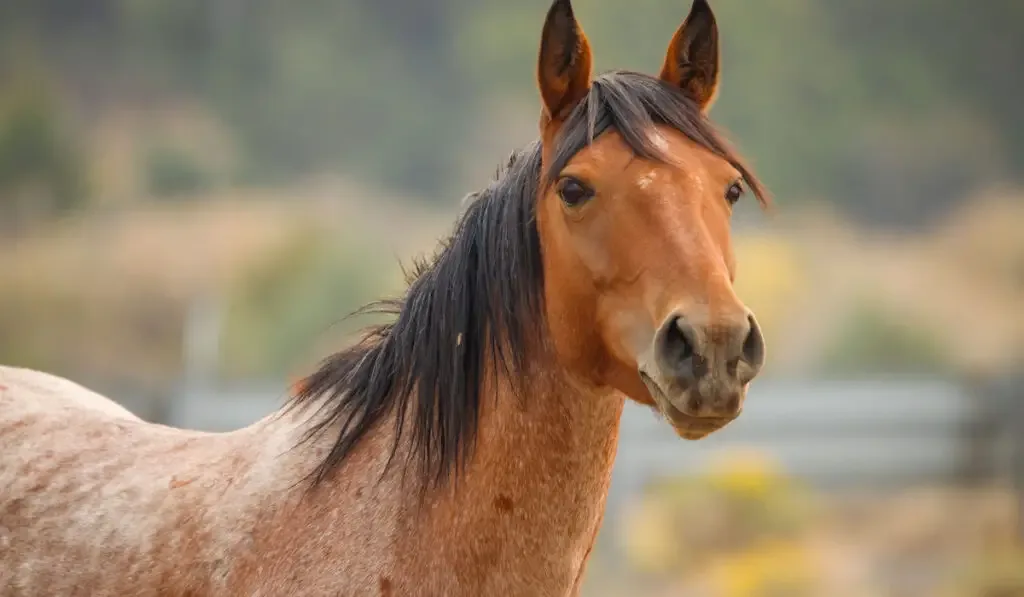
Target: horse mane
[476, 308]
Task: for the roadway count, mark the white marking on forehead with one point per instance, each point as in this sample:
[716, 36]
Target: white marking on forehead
[645, 181]
[696, 181]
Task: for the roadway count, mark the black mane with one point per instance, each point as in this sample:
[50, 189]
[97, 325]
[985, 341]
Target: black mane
[476, 308]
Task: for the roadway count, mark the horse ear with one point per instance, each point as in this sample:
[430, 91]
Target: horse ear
[692, 60]
[563, 70]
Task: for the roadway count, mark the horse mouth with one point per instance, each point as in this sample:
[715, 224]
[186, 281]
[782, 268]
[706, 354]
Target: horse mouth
[693, 428]
[687, 426]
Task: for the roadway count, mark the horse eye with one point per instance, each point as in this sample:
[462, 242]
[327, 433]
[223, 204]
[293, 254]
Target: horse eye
[573, 192]
[733, 194]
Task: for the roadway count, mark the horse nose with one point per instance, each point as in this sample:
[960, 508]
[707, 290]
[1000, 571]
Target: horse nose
[748, 364]
[686, 352]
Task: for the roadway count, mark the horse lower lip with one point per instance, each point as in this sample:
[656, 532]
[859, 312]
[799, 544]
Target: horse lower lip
[681, 419]
[677, 417]
[694, 428]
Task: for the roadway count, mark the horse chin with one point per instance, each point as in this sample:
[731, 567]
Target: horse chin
[693, 428]
[701, 429]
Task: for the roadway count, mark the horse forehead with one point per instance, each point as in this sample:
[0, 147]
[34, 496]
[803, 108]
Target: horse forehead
[682, 153]
[678, 160]
[608, 154]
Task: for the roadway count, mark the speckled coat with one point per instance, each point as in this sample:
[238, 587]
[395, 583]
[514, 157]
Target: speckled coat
[95, 502]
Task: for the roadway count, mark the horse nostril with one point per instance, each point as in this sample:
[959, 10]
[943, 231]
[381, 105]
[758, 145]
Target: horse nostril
[677, 350]
[679, 340]
[753, 345]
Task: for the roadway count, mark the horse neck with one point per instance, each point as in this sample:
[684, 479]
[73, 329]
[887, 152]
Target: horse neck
[532, 496]
[551, 446]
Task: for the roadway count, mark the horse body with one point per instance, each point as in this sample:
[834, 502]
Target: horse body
[97, 502]
[465, 448]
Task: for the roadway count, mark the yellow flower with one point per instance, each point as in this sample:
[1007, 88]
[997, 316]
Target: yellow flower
[764, 571]
[747, 474]
[649, 539]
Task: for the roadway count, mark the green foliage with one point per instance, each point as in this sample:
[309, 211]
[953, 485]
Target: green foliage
[875, 340]
[313, 86]
[892, 110]
[293, 300]
[41, 169]
[170, 171]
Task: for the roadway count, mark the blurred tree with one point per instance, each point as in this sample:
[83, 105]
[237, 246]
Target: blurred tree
[315, 86]
[296, 299]
[944, 111]
[173, 172]
[875, 340]
[891, 109]
[41, 171]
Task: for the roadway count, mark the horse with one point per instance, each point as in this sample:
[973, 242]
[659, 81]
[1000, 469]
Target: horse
[465, 446]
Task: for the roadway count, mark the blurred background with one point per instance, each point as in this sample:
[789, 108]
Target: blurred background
[194, 193]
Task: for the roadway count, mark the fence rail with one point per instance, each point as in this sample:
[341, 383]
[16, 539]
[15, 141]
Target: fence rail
[834, 435]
